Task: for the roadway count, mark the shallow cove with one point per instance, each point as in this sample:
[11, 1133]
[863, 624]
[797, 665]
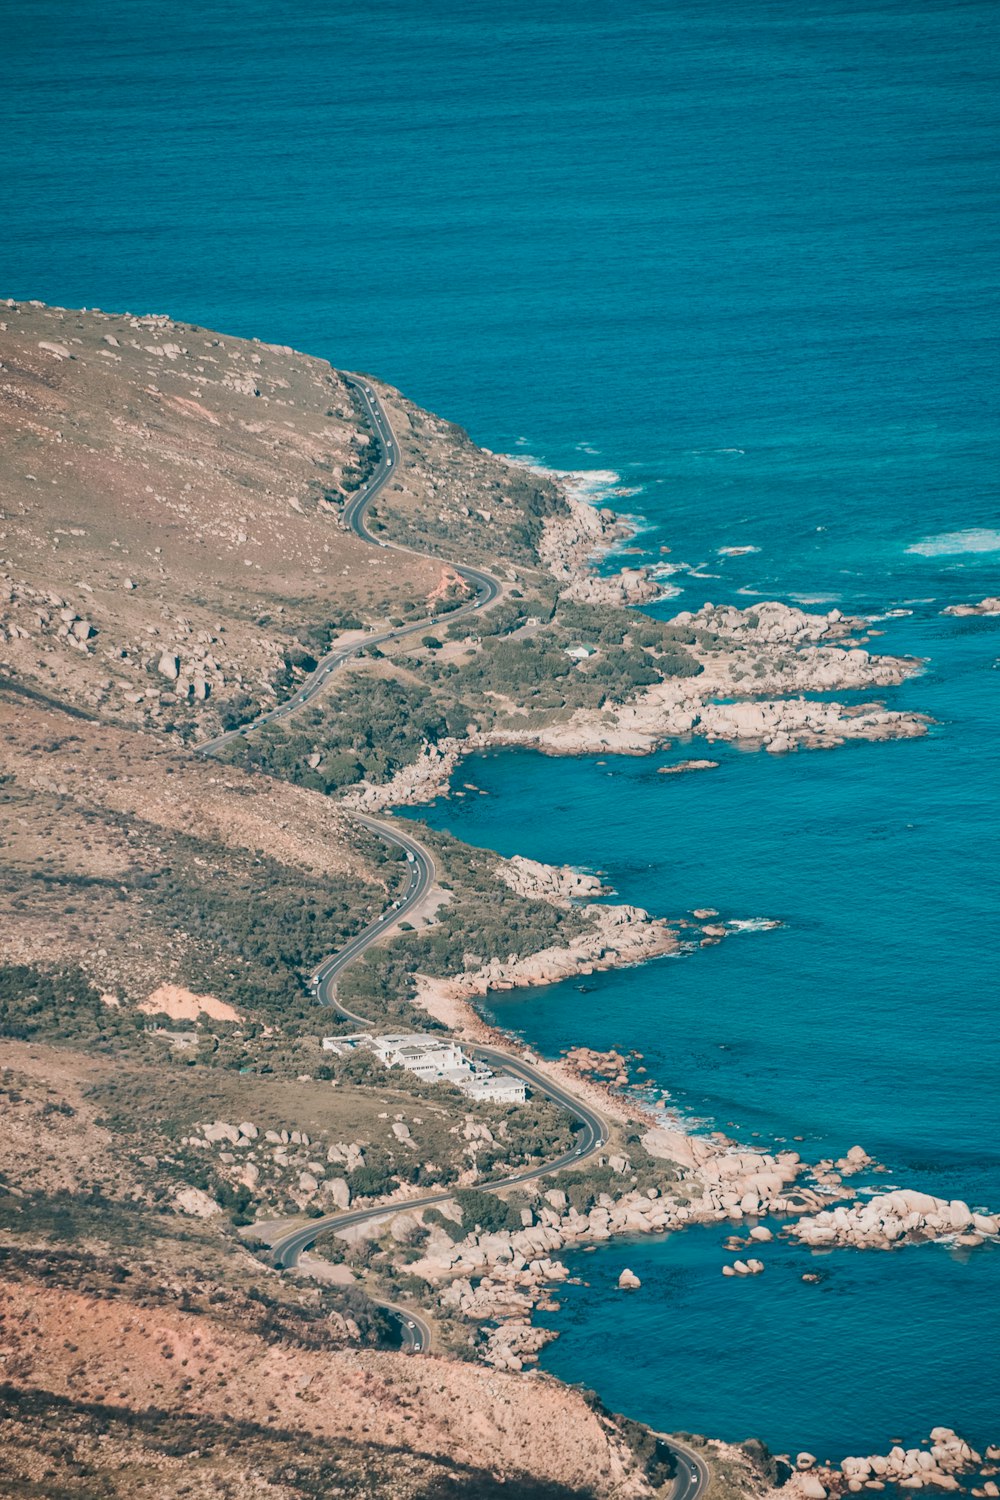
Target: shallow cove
[867, 1017]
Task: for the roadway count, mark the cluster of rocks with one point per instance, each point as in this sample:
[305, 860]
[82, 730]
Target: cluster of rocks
[514, 1343]
[746, 1184]
[553, 1225]
[896, 1218]
[189, 663]
[626, 587]
[785, 724]
[510, 1288]
[560, 885]
[771, 624]
[26, 612]
[611, 1066]
[743, 1268]
[278, 1160]
[990, 606]
[687, 765]
[506, 1295]
[934, 1467]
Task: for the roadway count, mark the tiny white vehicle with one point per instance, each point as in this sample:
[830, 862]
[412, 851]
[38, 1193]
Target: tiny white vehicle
[409, 855]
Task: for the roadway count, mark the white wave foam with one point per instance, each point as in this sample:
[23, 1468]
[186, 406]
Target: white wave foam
[815, 598]
[736, 551]
[952, 543]
[591, 485]
[752, 924]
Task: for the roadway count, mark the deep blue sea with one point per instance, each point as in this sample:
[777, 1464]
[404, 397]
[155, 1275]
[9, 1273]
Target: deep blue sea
[744, 257]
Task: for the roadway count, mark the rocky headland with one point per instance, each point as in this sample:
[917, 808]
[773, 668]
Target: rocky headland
[751, 691]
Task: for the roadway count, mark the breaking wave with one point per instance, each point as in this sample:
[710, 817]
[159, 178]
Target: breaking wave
[952, 543]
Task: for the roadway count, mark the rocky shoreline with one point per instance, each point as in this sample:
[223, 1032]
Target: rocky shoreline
[500, 1278]
[786, 654]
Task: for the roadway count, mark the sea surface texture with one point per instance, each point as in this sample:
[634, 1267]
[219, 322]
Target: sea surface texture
[744, 258]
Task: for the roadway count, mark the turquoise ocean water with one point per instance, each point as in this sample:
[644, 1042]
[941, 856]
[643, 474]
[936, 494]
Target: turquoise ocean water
[745, 258]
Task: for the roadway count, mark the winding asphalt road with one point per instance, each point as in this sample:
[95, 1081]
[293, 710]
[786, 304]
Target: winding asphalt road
[692, 1476]
[486, 588]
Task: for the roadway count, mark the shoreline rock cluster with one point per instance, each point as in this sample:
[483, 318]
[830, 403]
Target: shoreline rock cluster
[989, 606]
[571, 544]
[940, 1465]
[903, 1216]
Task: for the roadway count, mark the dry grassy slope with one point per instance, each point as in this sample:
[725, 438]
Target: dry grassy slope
[178, 493]
[70, 1123]
[97, 1350]
[94, 804]
[192, 466]
[51, 1448]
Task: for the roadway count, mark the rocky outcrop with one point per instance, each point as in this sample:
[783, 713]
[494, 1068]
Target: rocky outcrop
[192, 1201]
[627, 587]
[688, 765]
[984, 607]
[611, 1066]
[618, 935]
[769, 624]
[572, 541]
[896, 1218]
[790, 724]
[428, 777]
[560, 885]
[743, 1268]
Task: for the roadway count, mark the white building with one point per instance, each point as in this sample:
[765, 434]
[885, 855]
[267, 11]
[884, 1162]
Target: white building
[497, 1088]
[435, 1059]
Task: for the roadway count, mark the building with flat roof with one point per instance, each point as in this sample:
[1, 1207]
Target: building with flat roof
[435, 1059]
